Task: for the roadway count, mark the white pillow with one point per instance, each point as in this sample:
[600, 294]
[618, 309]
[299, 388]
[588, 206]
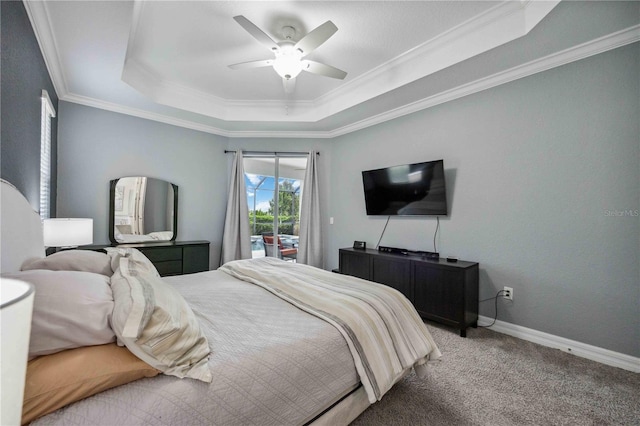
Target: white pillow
[70, 309]
[73, 260]
[155, 322]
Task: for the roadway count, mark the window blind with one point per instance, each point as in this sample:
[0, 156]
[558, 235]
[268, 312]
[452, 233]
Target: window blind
[48, 112]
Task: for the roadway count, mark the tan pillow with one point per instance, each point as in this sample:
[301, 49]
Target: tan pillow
[56, 380]
[73, 260]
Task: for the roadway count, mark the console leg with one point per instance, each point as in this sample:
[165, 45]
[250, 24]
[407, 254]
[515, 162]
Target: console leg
[463, 332]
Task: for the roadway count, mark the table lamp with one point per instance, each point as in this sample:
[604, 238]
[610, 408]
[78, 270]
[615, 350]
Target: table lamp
[16, 307]
[67, 232]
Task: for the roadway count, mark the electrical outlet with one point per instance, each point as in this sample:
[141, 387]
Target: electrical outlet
[507, 293]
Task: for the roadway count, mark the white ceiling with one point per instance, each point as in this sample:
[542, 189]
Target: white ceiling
[168, 60]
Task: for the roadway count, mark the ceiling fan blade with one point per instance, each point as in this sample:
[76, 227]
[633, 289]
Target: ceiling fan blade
[252, 64]
[289, 85]
[316, 37]
[257, 33]
[323, 69]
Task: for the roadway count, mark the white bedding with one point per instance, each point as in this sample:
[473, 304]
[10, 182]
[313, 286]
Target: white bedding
[272, 364]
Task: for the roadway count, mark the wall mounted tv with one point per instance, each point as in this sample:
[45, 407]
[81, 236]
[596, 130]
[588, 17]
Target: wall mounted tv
[407, 190]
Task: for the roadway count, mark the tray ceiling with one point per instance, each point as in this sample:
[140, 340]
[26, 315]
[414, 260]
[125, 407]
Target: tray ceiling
[168, 61]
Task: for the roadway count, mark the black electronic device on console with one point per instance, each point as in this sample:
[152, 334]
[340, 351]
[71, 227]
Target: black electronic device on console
[431, 255]
[392, 250]
[360, 245]
[395, 250]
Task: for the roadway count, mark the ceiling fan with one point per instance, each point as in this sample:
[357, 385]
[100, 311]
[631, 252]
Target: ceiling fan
[288, 61]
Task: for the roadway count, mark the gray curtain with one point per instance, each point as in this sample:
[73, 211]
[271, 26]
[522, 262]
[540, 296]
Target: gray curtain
[236, 239]
[310, 247]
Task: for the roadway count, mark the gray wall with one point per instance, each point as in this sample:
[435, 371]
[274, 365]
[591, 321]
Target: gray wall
[24, 76]
[536, 170]
[95, 146]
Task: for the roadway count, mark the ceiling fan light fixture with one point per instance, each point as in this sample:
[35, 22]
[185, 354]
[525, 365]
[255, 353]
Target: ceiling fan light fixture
[288, 62]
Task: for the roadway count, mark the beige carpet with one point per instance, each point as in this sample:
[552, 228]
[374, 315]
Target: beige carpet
[494, 379]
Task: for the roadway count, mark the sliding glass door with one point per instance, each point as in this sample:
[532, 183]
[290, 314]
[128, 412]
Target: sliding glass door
[274, 186]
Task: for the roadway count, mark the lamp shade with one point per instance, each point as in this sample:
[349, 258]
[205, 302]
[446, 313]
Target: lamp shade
[67, 232]
[16, 307]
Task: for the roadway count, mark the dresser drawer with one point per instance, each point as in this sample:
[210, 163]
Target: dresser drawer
[162, 254]
[171, 258]
[169, 267]
[196, 258]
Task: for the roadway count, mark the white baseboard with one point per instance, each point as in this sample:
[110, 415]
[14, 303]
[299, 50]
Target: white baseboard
[594, 353]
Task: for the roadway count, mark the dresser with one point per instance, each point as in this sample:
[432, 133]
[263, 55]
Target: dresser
[170, 257]
[440, 291]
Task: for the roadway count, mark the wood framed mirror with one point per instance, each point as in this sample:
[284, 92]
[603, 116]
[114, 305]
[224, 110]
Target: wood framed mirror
[142, 210]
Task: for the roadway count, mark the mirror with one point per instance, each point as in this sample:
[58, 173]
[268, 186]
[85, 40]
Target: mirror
[142, 209]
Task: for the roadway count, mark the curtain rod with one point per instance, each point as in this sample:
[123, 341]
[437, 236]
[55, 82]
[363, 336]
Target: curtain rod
[249, 153]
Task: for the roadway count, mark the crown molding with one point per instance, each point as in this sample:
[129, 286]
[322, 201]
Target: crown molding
[498, 25]
[41, 24]
[572, 54]
[140, 113]
[187, 124]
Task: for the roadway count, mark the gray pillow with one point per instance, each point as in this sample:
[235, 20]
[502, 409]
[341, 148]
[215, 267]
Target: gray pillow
[71, 309]
[73, 260]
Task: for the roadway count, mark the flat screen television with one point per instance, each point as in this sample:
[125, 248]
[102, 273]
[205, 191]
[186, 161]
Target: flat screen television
[407, 190]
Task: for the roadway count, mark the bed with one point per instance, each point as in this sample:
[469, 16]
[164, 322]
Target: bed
[262, 348]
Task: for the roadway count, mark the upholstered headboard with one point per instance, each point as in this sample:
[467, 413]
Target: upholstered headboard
[20, 229]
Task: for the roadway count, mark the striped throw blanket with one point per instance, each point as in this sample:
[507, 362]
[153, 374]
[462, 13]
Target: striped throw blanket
[384, 332]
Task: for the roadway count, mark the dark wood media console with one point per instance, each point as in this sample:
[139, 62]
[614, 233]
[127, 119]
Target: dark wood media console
[441, 291]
